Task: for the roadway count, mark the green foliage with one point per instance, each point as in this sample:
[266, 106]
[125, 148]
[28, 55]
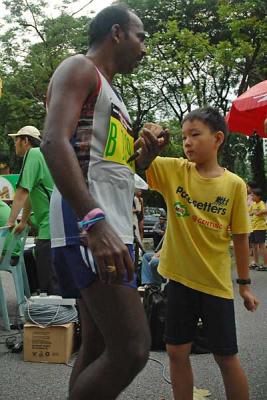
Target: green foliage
[26, 66]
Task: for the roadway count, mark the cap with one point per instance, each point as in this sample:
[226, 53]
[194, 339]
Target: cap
[27, 131]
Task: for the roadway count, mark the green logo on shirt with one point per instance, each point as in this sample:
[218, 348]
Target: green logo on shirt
[181, 210]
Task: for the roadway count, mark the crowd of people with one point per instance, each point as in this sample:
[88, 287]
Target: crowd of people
[80, 187]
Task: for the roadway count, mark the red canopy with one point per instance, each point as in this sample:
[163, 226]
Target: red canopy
[249, 111]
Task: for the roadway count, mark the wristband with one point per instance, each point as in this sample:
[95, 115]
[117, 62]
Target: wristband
[91, 218]
[243, 281]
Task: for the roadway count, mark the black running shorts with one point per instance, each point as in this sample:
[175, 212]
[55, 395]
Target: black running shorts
[186, 306]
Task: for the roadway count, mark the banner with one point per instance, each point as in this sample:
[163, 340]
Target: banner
[8, 186]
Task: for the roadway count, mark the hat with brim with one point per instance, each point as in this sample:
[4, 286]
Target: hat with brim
[27, 131]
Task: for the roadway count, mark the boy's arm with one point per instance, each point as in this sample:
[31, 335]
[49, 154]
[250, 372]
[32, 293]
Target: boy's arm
[241, 249]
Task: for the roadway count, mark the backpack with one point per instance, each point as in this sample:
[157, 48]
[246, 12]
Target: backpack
[154, 302]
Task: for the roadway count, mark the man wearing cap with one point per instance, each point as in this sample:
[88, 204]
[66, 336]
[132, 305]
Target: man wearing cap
[159, 229]
[33, 192]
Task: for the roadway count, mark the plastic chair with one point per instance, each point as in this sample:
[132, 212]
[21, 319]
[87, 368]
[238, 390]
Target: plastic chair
[18, 272]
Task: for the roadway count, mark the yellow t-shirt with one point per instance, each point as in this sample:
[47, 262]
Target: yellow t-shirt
[258, 222]
[195, 251]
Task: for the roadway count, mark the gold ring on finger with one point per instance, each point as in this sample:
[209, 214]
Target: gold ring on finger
[111, 268]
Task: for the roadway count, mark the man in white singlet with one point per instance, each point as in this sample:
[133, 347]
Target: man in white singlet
[88, 142]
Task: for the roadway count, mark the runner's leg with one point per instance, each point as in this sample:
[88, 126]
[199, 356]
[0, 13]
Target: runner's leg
[92, 345]
[118, 314]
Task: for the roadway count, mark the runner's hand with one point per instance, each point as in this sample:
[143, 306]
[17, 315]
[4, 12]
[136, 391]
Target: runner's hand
[152, 145]
[108, 250]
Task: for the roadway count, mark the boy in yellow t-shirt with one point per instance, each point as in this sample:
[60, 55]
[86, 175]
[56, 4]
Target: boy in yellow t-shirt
[257, 211]
[203, 201]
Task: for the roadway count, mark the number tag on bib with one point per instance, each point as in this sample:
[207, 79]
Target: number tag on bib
[120, 143]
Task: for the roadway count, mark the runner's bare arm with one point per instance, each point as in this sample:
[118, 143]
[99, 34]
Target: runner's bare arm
[72, 82]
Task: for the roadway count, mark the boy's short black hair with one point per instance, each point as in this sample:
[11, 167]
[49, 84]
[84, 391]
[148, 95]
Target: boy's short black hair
[102, 23]
[257, 192]
[209, 116]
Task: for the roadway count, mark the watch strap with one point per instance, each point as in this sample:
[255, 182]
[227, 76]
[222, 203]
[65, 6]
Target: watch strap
[243, 281]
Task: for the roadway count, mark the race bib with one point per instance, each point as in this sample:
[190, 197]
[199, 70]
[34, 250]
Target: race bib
[120, 143]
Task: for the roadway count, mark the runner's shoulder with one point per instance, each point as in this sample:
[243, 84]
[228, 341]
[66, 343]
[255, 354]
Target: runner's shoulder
[77, 71]
[77, 66]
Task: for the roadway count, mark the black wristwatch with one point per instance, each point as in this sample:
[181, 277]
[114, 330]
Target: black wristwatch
[243, 281]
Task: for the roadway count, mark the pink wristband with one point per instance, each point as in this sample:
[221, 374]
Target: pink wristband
[91, 219]
[95, 212]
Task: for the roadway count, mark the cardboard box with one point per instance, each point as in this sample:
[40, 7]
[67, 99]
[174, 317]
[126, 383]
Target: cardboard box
[53, 344]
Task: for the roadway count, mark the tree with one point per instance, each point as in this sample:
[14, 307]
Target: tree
[205, 52]
[27, 65]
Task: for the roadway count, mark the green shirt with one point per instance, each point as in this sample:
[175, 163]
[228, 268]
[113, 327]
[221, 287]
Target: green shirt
[4, 215]
[36, 178]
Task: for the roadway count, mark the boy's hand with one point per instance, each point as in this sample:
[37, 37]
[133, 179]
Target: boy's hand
[250, 301]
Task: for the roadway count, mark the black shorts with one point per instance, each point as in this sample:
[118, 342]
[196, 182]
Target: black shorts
[257, 237]
[184, 308]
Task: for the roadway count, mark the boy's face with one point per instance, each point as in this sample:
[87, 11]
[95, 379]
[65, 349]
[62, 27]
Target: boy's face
[200, 144]
[256, 198]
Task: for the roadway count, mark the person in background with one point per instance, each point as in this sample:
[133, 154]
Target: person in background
[149, 269]
[4, 168]
[4, 215]
[88, 125]
[250, 186]
[159, 229]
[137, 209]
[34, 188]
[140, 215]
[203, 199]
[258, 212]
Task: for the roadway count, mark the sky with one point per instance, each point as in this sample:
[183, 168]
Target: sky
[95, 6]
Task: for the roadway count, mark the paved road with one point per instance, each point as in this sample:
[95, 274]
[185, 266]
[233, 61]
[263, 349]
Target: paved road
[33, 381]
